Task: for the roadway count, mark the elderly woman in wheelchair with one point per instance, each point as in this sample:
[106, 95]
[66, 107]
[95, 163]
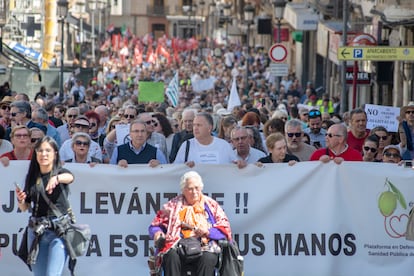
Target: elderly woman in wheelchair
[187, 229]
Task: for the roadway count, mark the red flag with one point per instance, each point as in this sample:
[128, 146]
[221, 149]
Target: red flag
[116, 41]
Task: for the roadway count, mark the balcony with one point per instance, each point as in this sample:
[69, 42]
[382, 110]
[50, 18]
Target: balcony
[157, 10]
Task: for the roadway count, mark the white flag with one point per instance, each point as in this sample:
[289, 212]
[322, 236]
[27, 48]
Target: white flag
[234, 99]
[172, 91]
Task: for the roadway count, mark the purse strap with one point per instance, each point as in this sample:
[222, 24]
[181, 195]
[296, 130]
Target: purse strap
[53, 207]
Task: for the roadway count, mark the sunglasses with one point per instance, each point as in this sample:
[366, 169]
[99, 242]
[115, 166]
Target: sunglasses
[34, 140]
[129, 116]
[72, 115]
[80, 143]
[314, 113]
[14, 114]
[409, 112]
[93, 125]
[373, 150]
[382, 137]
[176, 125]
[392, 155]
[4, 107]
[152, 122]
[296, 134]
[330, 135]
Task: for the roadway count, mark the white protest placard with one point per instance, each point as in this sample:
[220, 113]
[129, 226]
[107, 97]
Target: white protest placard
[122, 134]
[379, 115]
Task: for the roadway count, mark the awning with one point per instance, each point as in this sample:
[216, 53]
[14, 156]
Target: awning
[300, 17]
[19, 58]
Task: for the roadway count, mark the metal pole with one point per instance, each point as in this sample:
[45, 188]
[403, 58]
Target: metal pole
[279, 39]
[61, 60]
[93, 39]
[247, 58]
[344, 101]
[100, 24]
[81, 40]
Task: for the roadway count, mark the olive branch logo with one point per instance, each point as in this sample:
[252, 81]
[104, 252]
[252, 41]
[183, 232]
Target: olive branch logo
[387, 203]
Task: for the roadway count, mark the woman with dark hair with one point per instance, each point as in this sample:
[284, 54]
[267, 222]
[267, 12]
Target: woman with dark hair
[274, 125]
[48, 252]
[162, 125]
[370, 149]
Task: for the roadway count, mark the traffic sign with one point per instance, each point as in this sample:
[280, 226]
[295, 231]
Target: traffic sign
[278, 53]
[279, 69]
[377, 53]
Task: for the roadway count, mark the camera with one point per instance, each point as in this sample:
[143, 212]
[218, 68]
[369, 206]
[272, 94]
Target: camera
[39, 229]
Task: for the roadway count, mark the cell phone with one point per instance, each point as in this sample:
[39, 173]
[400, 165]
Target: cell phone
[408, 164]
[263, 101]
[17, 186]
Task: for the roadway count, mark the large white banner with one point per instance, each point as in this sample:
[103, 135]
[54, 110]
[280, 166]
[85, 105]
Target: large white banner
[307, 219]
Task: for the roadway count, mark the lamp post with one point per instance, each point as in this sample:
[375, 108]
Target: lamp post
[92, 8]
[202, 3]
[100, 6]
[62, 13]
[227, 17]
[187, 10]
[81, 6]
[279, 8]
[248, 18]
[212, 21]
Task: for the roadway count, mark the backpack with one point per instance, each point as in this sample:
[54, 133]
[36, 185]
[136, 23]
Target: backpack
[232, 263]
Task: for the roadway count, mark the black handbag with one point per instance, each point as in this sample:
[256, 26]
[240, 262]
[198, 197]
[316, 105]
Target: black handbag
[189, 249]
[76, 236]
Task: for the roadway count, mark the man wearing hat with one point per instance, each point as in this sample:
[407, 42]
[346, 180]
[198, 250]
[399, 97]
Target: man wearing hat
[391, 154]
[81, 124]
[405, 130]
[5, 116]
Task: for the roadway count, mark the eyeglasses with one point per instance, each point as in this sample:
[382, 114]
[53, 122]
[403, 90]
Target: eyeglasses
[93, 125]
[330, 135]
[21, 135]
[314, 113]
[197, 188]
[72, 115]
[176, 125]
[305, 114]
[241, 138]
[409, 112]
[296, 134]
[80, 126]
[40, 151]
[80, 143]
[129, 116]
[373, 150]
[392, 155]
[14, 114]
[382, 137]
[34, 140]
[4, 107]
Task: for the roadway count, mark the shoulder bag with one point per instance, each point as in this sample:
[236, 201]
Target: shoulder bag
[76, 236]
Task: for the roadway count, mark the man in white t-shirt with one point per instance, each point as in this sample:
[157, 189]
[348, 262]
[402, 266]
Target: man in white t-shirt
[205, 148]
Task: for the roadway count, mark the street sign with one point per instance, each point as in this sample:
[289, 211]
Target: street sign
[278, 53]
[279, 69]
[376, 53]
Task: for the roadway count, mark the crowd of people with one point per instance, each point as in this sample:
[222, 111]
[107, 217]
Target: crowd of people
[104, 122]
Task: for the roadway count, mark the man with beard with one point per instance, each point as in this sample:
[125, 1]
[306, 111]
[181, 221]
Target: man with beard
[315, 131]
[295, 144]
[240, 140]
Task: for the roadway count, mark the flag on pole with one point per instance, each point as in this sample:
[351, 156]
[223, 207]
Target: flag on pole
[234, 98]
[172, 91]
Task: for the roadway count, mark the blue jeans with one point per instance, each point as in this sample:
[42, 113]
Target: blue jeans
[52, 254]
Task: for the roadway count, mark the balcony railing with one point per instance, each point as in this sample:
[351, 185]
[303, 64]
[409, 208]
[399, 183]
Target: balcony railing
[157, 10]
